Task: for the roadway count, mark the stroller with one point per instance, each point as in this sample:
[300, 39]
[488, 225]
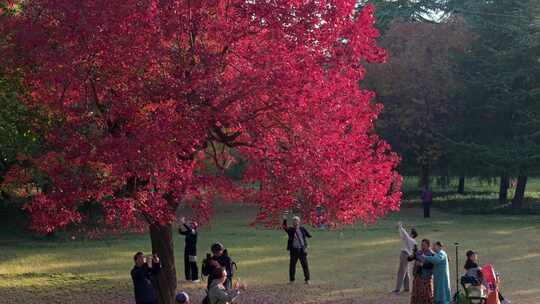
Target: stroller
[472, 293]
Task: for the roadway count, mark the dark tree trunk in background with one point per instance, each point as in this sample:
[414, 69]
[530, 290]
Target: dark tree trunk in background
[162, 245]
[424, 176]
[461, 185]
[503, 188]
[443, 181]
[518, 202]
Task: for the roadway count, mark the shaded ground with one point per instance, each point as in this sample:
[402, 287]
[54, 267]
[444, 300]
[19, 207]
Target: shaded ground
[356, 265]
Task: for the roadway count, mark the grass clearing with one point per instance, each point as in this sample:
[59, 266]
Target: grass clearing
[356, 265]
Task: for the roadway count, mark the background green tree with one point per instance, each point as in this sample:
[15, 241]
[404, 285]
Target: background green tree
[501, 102]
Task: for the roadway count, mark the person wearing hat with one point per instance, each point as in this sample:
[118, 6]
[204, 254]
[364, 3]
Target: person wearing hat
[473, 270]
[297, 246]
[189, 230]
[182, 298]
[473, 273]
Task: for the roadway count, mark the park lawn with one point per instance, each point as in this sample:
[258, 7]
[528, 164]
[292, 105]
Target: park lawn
[356, 265]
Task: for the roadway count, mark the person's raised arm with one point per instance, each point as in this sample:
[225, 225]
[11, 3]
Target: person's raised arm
[403, 233]
[284, 225]
[156, 265]
[228, 267]
[183, 225]
[307, 233]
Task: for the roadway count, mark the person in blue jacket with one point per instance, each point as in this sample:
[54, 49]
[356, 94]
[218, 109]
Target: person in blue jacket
[441, 273]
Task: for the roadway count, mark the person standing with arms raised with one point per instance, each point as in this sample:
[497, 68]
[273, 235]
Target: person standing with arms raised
[189, 230]
[297, 247]
[404, 274]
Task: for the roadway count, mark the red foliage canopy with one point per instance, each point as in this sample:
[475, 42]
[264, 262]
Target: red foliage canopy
[145, 95]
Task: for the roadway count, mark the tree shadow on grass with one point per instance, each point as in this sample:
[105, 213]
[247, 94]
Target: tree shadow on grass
[33, 288]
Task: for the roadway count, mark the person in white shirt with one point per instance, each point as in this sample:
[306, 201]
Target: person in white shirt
[404, 274]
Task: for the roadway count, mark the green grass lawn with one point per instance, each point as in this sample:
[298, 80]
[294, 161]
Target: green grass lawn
[356, 265]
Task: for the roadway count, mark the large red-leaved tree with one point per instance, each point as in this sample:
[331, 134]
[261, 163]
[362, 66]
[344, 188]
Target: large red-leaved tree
[151, 100]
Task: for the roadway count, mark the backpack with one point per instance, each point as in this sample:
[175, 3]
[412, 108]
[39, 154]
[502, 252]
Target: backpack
[208, 265]
[234, 268]
[232, 264]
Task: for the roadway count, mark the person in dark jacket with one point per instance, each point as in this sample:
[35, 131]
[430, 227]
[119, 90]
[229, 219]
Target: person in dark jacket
[142, 273]
[297, 246]
[219, 258]
[191, 270]
[427, 200]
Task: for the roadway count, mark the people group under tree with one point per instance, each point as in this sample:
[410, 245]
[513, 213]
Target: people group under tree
[431, 272]
[431, 269]
[428, 268]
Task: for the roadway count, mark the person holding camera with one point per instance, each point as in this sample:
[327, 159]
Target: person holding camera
[145, 269]
[218, 293]
[297, 247]
[189, 230]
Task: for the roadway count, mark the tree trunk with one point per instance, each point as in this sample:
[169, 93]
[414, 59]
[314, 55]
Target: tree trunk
[162, 245]
[424, 176]
[503, 188]
[446, 181]
[461, 185]
[518, 202]
[443, 181]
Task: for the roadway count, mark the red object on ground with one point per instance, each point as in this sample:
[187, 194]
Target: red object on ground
[491, 281]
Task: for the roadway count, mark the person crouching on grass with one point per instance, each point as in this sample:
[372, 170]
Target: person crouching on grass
[297, 247]
[145, 269]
